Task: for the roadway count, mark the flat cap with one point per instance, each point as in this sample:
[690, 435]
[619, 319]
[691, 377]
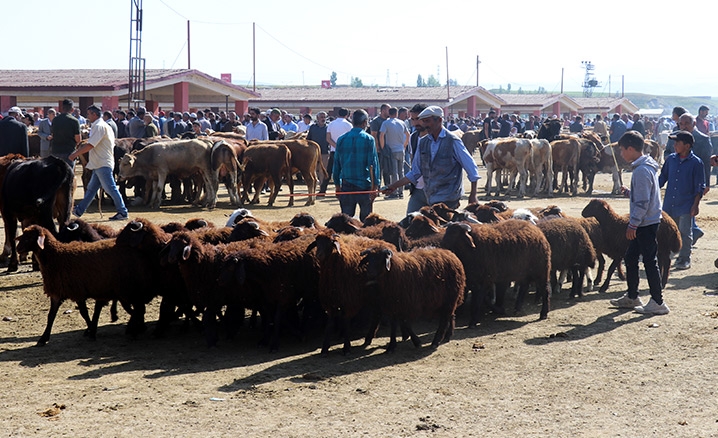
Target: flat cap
[432, 111]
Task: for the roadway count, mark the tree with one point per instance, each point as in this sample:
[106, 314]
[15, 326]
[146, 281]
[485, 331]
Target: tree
[520, 91]
[333, 79]
[420, 81]
[508, 88]
[432, 82]
[453, 82]
[356, 82]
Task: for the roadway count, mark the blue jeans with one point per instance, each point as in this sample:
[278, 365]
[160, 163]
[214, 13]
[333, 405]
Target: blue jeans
[645, 244]
[416, 201]
[685, 226]
[396, 170]
[102, 177]
[348, 203]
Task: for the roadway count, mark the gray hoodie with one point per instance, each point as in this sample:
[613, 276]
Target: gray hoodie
[645, 193]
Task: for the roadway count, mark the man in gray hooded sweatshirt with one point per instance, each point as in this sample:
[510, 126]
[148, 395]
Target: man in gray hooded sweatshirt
[645, 217]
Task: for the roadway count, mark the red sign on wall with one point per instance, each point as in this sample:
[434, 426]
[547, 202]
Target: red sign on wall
[326, 84]
[227, 77]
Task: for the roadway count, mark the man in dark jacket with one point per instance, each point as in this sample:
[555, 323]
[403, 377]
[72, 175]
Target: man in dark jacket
[13, 134]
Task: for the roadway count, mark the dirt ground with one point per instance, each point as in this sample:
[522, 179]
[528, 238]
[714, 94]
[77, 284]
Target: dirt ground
[588, 370]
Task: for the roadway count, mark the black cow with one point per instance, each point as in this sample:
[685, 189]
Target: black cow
[35, 191]
[550, 129]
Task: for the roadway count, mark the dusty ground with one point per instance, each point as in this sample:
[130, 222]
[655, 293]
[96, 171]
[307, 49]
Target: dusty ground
[589, 370]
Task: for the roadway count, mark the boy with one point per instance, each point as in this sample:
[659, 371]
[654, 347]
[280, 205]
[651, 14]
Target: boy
[684, 173]
[645, 216]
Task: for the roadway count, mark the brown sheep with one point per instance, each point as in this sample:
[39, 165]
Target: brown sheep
[426, 282]
[500, 253]
[614, 234]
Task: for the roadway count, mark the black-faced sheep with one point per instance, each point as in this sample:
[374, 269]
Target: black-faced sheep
[498, 254]
[614, 234]
[426, 282]
[101, 270]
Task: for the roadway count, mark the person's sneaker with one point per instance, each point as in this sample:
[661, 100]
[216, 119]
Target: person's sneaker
[653, 308]
[626, 303]
[697, 235]
[682, 265]
[119, 217]
[76, 212]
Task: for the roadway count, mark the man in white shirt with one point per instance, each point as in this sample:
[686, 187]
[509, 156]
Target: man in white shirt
[100, 145]
[335, 129]
[256, 130]
[305, 123]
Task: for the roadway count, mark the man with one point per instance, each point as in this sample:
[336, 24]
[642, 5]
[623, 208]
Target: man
[702, 146]
[256, 130]
[44, 130]
[600, 128]
[644, 219]
[100, 145]
[151, 129]
[356, 167]
[122, 130]
[440, 159]
[576, 126]
[487, 126]
[78, 116]
[318, 132]
[676, 114]
[335, 129]
[137, 124]
[684, 173]
[197, 129]
[288, 124]
[617, 129]
[107, 117]
[628, 121]
[305, 123]
[417, 198]
[204, 124]
[162, 122]
[221, 122]
[272, 122]
[638, 125]
[65, 133]
[384, 155]
[13, 134]
[702, 123]
[394, 136]
[505, 126]
[176, 127]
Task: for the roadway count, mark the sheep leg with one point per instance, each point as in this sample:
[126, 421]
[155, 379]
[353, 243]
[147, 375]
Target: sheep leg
[601, 267]
[136, 324]
[577, 283]
[500, 291]
[619, 271]
[113, 311]
[167, 314]
[209, 323]
[92, 329]
[478, 295]
[555, 288]
[82, 307]
[274, 339]
[392, 337]
[328, 330]
[442, 331]
[54, 307]
[345, 333]
[406, 328]
[542, 289]
[523, 291]
[373, 327]
[609, 273]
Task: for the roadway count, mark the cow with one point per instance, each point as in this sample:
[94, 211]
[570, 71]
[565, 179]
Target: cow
[550, 129]
[5, 162]
[34, 192]
[566, 154]
[226, 157]
[471, 140]
[305, 157]
[541, 167]
[267, 159]
[512, 154]
[182, 158]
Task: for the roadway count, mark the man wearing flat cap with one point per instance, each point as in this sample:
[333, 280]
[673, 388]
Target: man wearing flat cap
[684, 173]
[439, 159]
[13, 134]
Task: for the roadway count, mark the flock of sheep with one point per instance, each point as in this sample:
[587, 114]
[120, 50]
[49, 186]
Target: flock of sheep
[298, 273]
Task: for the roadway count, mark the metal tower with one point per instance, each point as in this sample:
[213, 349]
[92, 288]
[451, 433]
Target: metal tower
[589, 80]
[136, 84]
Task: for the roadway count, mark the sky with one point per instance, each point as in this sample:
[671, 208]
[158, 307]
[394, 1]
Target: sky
[526, 44]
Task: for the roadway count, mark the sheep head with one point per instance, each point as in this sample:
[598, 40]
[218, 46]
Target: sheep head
[343, 223]
[325, 244]
[246, 229]
[421, 226]
[377, 261]
[32, 239]
[305, 220]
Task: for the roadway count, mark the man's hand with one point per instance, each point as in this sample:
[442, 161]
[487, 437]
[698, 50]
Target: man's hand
[473, 199]
[630, 233]
[625, 191]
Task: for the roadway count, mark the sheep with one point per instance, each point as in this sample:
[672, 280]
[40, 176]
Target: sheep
[237, 215]
[524, 214]
[425, 282]
[272, 278]
[197, 223]
[500, 253]
[343, 223]
[248, 229]
[99, 270]
[614, 234]
[571, 249]
[342, 283]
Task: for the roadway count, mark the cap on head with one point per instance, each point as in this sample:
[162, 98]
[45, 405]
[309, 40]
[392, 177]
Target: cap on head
[15, 110]
[432, 111]
[684, 137]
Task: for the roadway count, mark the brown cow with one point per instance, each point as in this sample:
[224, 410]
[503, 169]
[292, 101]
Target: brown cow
[566, 155]
[305, 157]
[471, 140]
[226, 156]
[512, 154]
[262, 160]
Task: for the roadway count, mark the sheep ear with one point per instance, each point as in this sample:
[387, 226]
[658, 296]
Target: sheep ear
[41, 241]
[186, 252]
[311, 246]
[387, 262]
[338, 247]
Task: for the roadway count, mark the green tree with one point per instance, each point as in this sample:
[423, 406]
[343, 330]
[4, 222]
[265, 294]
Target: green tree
[508, 88]
[432, 82]
[453, 82]
[520, 91]
[420, 81]
[356, 82]
[333, 79]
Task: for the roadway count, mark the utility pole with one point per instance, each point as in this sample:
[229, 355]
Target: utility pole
[448, 92]
[477, 70]
[188, 48]
[136, 81]
[561, 80]
[254, 58]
